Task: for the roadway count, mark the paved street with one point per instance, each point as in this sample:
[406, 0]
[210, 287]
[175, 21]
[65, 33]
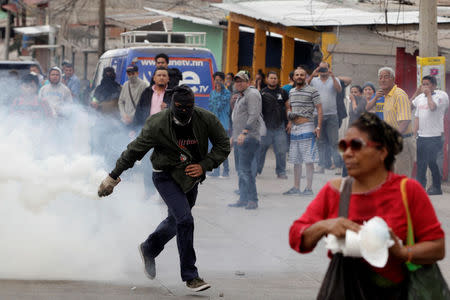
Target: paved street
[243, 254]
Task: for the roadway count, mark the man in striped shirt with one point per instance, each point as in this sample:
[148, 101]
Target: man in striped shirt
[303, 100]
[397, 113]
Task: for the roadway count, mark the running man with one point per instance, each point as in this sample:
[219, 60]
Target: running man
[179, 136]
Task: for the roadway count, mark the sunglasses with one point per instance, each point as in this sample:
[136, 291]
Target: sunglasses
[355, 144]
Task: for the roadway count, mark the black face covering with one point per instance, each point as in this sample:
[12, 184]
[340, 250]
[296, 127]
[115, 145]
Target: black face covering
[184, 98]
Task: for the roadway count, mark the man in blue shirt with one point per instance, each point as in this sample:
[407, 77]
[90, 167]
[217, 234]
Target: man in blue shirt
[72, 82]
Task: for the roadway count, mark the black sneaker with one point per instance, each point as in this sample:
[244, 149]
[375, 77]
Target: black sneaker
[434, 191]
[293, 191]
[239, 203]
[197, 285]
[149, 263]
[307, 192]
[252, 205]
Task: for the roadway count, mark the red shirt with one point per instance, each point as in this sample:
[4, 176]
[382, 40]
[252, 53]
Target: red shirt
[31, 106]
[385, 202]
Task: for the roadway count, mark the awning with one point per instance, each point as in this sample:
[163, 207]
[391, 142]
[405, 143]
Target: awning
[11, 7]
[36, 30]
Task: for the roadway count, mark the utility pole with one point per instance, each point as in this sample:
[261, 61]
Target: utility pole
[428, 30]
[7, 34]
[101, 28]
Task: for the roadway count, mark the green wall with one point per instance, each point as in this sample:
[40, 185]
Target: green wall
[214, 36]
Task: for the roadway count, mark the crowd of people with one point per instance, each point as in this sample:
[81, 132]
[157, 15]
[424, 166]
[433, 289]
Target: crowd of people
[183, 144]
[318, 102]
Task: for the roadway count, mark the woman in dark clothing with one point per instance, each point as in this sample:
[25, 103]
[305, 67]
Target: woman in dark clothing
[357, 103]
[107, 137]
[106, 95]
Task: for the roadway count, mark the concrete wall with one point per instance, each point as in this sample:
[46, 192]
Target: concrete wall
[214, 37]
[361, 52]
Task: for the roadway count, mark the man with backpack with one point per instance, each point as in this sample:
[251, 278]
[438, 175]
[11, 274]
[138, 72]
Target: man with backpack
[130, 95]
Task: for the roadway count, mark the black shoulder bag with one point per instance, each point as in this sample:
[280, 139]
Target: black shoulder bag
[350, 278]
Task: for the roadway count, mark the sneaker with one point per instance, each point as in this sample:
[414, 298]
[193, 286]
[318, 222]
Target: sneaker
[282, 176]
[252, 205]
[307, 192]
[434, 191]
[292, 191]
[197, 285]
[239, 203]
[149, 263]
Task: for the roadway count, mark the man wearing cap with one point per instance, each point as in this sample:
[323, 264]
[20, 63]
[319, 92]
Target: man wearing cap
[179, 136]
[246, 138]
[130, 95]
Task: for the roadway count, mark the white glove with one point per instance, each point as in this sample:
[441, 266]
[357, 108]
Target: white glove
[107, 186]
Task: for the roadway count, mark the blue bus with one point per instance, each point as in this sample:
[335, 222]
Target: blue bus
[196, 64]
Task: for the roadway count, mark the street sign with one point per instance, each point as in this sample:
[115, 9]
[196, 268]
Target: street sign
[434, 66]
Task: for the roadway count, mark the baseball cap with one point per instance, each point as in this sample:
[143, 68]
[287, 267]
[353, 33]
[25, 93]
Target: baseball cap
[132, 68]
[242, 75]
[375, 242]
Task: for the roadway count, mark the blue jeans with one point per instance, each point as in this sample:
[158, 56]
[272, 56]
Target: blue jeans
[226, 169]
[328, 142]
[278, 139]
[179, 222]
[247, 169]
[148, 175]
[236, 162]
[427, 151]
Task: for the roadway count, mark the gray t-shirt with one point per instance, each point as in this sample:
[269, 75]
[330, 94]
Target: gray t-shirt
[327, 94]
[303, 101]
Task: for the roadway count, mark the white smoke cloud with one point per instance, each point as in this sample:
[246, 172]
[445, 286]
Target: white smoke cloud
[52, 224]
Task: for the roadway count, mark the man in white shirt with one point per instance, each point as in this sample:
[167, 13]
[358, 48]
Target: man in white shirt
[431, 106]
[56, 94]
[328, 87]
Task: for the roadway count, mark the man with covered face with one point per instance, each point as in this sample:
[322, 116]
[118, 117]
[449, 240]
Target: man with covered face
[179, 136]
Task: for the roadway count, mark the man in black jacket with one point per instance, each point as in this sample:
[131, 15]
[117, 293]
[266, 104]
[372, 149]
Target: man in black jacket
[179, 136]
[274, 115]
[153, 99]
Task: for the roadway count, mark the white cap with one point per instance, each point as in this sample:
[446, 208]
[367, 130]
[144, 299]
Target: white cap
[375, 242]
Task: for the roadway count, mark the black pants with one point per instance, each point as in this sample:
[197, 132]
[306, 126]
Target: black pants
[427, 150]
[179, 222]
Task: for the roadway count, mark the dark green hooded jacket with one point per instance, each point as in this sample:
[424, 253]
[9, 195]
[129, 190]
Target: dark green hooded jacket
[167, 156]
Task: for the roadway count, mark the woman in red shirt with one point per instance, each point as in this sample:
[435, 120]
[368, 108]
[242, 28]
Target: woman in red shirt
[369, 150]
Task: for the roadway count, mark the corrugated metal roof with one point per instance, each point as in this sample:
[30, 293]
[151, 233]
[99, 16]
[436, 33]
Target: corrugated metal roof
[307, 13]
[196, 20]
[412, 36]
[132, 19]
